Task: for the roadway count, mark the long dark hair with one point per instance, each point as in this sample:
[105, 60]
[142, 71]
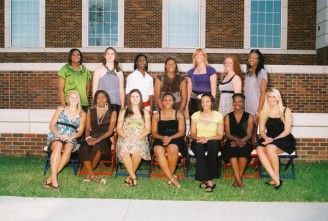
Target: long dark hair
[168, 85]
[116, 63]
[70, 55]
[259, 66]
[135, 67]
[105, 94]
[129, 110]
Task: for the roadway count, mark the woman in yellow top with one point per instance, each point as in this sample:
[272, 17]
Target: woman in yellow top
[206, 132]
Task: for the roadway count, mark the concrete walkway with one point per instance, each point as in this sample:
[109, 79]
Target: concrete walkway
[20, 208]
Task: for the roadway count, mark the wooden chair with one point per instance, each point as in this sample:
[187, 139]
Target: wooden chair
[106, 166]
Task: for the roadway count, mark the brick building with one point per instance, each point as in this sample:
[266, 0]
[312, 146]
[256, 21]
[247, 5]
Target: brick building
[36, 36]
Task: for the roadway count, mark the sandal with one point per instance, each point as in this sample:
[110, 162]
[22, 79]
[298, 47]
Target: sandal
[55, 188]
[234, 184]
[209, 188]
[175, 181]
[97, 180]
[47, 186]
[134, 182]
[203, 185]
[128, 181]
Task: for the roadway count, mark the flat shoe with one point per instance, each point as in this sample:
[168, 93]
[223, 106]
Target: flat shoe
[47, 186]
[209, 188]
[279, 186]
[55, 188]
[268, 183]
[203, 185]
[86, 180]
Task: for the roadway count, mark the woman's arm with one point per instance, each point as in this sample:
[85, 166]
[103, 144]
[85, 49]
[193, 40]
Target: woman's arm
[236, 84]
[157, 94]
[189, 90]
[250, 126]
[87, 125]
[95, 81]
[214, 84]
[193, 129]
[151, 103]
[154, 127]
[54, 119]
[120, 123]
[263, 88]
[61, 88]
[288, 124]
[183, 91]
[147, 125]
[121, 88]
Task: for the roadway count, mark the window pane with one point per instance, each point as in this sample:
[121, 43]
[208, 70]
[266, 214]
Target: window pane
[25, 23]
[183, 23]
[265, 23]
[103, 23]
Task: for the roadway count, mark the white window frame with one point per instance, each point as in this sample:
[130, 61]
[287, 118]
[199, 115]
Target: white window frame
[85, 26]
[202, 24]
[284, 23]
[8, 25]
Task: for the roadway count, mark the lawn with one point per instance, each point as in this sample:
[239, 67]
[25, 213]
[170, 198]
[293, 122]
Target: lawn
[23, 176]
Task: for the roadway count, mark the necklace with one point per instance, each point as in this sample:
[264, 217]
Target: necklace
[99, 121]
[199, 69]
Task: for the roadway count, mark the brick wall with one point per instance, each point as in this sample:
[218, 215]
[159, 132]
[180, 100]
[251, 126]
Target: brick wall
[2, 24]
[301, 24]
[63, 24]
[322, 56]
[224, 24]
[308, 149]
[143, 24]
[304, 93]
[22, 144]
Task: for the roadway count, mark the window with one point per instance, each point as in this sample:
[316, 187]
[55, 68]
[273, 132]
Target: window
[266, 24]
[103, 23]
[183, 23]
[25, 26]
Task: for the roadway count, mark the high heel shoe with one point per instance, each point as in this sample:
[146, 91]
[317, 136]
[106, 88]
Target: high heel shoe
[128, 181]
[279, 186]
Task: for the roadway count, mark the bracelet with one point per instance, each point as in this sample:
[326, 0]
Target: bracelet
[87, 138]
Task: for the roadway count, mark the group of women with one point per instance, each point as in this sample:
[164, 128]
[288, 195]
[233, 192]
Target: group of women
[177, 99]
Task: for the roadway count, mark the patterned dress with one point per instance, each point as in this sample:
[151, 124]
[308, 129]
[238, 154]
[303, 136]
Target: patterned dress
[64, 129]
[133, 127]
[226, 90]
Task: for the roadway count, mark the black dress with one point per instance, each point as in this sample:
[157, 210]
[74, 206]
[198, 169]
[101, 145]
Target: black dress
[276, 126]
[169, 128]
[87, 152]
[237, 130]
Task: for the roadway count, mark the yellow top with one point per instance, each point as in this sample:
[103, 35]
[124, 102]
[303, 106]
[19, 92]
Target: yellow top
[207, 128]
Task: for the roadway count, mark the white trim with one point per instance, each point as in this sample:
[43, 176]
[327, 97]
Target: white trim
[36, 121]
[42, 25]
[159, 67]
[284, 25]
[85, 19]
[155, 50]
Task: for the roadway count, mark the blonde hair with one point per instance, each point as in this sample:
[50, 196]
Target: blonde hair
[199, 50]
[79, 106]
[266, 107]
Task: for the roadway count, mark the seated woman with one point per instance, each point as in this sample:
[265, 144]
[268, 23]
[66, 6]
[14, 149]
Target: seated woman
[276, 120]
[66, 125]
[168, 129]
[238, 128]
[133, 128]
[100, 125]
[206, 132]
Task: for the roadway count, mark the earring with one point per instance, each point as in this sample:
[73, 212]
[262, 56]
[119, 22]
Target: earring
[106, 106]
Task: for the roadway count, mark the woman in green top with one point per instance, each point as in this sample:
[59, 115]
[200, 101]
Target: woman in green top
[74, 76]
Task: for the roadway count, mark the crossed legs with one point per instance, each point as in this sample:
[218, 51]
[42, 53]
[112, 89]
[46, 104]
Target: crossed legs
[131, 163]
[238, 166]
[90, 166]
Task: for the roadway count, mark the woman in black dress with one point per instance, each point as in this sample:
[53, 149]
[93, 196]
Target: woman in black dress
[168, 130]
[276, 120]
[238, 127]
[100, 125]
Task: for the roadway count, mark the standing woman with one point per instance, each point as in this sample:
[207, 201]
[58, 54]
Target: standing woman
[230, 83]
[201, 79]
[171, 82]
[141, 80]
[255, 83]
[74, 76]
[66, 125]
[275, 128]
[168, 129]
[109, 77]
[133, 128]
[206, 132]
[100, 125]
[238, 128]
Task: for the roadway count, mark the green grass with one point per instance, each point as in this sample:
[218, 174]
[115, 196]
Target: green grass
[23, 176]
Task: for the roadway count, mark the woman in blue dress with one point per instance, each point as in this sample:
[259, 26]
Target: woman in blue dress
[67, 124]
